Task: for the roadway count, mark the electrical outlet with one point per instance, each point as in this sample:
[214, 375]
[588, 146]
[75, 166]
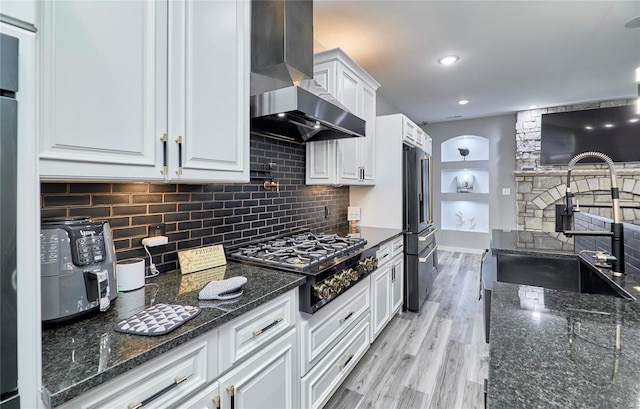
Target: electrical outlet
[157, 230]
[506, 191]
[155, 241]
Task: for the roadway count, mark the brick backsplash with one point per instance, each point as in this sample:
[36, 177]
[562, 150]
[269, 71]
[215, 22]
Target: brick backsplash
[589, 222]
[204, 214]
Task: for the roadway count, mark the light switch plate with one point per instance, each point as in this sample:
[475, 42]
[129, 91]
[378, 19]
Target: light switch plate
[506, 191]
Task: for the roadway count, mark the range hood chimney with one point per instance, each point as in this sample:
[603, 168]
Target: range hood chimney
[286, 102]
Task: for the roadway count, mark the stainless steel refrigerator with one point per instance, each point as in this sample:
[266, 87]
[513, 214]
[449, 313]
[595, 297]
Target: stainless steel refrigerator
[9, 398]
[419, 234]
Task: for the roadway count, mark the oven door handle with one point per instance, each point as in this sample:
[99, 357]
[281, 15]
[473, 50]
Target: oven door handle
[424, 259]
[425, 238]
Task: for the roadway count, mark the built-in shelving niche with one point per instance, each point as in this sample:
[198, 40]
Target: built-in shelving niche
[465, 216]
[465, 184]
[477, 148]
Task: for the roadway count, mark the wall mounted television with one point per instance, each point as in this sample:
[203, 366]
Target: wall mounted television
[613, 131]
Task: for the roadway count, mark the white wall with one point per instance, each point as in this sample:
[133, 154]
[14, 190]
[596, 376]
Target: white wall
[500, 130]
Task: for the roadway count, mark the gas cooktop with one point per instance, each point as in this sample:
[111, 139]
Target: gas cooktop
[303, 252]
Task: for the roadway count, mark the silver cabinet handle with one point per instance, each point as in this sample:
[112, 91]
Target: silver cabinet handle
[232, 394]
[176, 381]
[342, 320]
[179, 142]
[164, 140]
[273, 324]
[344, 365]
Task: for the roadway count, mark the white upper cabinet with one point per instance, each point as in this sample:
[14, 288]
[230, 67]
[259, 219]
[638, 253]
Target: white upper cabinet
[345, 161]
[21, 13]
[415, 136]
[141, 90]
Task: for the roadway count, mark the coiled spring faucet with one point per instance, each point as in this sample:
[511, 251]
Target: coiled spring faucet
[564, 218]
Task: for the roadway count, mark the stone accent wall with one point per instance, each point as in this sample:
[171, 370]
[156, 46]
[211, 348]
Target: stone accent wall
[539, 192]
[529, 125]
[540, 188]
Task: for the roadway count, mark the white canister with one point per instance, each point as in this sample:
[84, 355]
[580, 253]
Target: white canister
[130, 274]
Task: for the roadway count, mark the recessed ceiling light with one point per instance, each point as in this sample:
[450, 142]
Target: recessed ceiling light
[463, 102]
[448, 60]
[633, 120]
[588, 127]
[608, 125]
[281, 115]
[633, 23]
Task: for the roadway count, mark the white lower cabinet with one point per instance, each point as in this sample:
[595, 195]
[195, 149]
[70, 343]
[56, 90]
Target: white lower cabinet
[249, 362]
[397, 283]
[380, 299]
[387, 285]
[325, 377]
[174, 376]
[324, 329]
[268, 379]
[248, 333]
[209, 398]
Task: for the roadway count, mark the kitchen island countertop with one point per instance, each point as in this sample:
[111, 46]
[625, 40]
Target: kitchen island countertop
[555, 349]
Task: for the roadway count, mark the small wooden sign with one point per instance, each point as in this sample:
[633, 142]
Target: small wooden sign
[201, 258]
[195, 281]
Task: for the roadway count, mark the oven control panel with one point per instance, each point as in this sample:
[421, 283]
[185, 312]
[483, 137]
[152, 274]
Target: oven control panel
[340, 281]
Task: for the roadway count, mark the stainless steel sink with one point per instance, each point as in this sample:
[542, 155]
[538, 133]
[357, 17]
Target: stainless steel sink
[558, 272]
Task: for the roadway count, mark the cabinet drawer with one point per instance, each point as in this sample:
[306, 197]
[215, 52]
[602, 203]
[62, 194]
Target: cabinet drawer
[322, 381]
[383, 254]
[397, 246]
[245, 334]
[196, 360]
[327, 326]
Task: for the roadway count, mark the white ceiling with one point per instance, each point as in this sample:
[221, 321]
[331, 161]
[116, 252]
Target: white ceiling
[513, 54]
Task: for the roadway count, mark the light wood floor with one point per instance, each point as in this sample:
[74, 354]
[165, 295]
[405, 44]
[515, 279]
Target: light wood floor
[436, 358]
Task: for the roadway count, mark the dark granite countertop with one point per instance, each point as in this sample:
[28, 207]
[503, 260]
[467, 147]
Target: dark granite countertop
[530, 242]
[87, 353]
[82, 355]
[555, 349]
[373, 235]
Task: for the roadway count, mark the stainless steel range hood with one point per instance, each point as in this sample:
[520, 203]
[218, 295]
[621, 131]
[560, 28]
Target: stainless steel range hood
[285, 100]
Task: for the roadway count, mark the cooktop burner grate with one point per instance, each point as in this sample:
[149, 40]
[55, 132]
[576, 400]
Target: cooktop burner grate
[298, 251]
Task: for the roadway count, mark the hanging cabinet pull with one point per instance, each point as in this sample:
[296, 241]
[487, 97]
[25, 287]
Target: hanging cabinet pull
[344, 365]
[176, 381]
[232, 391]
[216, 401]
[273, 324]
[179, 142]
[346, 317]
[164, 140]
